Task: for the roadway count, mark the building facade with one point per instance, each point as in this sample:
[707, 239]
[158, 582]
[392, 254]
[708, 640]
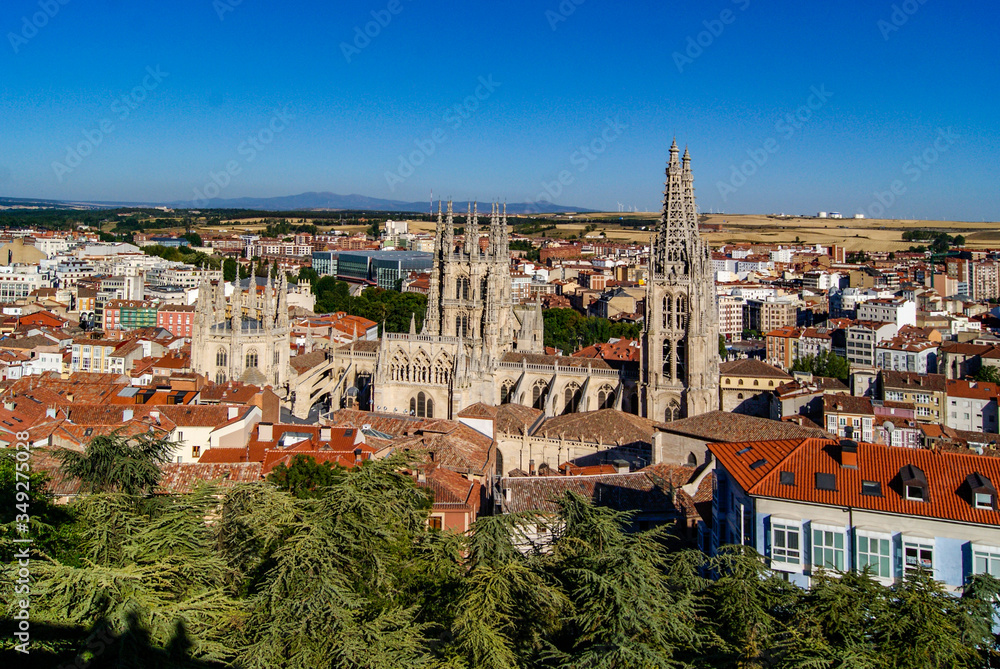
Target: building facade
[680, 363]
[243, 337]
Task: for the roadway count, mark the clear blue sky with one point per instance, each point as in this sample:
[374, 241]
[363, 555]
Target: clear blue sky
[226, 78]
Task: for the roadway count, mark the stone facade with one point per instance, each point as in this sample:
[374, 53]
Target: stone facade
[243, 337]
[680, 367]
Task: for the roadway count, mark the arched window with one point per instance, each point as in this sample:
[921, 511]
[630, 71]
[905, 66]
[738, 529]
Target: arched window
[538, 392]
[692, 460]
[668, 312]
[430, 408]
[572, 398]
[251, 358]
[673, 411]
[740, 383]
[668, 371]
[221, 358]
[277, 356]
[756, 382]
[462, 288]
[220, 378]
[606, 397]
[413, 406]
[739, 396]
[505, 391]
[462, 326]
[680, 353]
[681, 312]
[633, 403]
[421, 405]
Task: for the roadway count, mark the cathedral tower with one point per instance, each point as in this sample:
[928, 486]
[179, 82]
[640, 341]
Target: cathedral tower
[680, 358]
[470, 288]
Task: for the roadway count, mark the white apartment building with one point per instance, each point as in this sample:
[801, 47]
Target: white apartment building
[897, 311]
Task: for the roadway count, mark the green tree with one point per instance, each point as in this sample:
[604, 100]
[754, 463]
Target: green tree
[117, 463]
[230, 269]
[826, 363]
[723, 351]
[193, 238]
[987, 374]
[304, 477]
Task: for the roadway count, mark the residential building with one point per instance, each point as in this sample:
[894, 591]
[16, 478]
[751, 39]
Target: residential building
[747, 387]
[178, 319]
[815, 503]
[972, 406]
[901, 354]
[926, 392]
[862, 341]
[897, 311]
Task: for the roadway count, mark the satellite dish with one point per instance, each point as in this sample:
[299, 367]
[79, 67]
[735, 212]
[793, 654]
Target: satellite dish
[889, 427]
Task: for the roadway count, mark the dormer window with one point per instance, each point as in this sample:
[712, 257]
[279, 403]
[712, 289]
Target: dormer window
[914, 483]
[984, 495]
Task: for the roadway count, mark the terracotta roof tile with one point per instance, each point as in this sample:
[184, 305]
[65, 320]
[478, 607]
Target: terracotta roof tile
[722, 426]
[948, 495]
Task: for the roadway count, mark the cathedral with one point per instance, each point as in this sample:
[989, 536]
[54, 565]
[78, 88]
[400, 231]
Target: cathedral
[680, 344]
[243, 336]
[476, 347]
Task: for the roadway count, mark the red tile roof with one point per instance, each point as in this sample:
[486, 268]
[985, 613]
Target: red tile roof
[946, 473]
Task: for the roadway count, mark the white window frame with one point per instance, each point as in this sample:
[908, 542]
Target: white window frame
[991, 557]
[919, 544]
[828, 532]
[906, 490]
[784, 560]
[867, 537]
[988, 505]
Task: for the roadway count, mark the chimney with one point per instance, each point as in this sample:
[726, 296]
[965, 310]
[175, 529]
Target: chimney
[848, 454]
[50, 412]
[325, 434]
[155, 416]
[265, 432]
[233, 412]
[9, 405]
[127, 415]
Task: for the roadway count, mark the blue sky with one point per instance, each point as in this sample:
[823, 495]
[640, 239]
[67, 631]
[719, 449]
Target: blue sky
[619, 78]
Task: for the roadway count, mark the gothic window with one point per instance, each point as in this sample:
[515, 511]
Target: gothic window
[251, 358]
[668, 312]
[633, 404]
[430, 408]
[538, 392]
[505, 391]
[413, 406]
[667, 354]
[681, 312]
[605, 397]
[277, 357]
[220, 378]
[221, 358]
[462, 288]
[673, 411]
[462, 326]
[680, 353]
[572, 398]
[421, 405]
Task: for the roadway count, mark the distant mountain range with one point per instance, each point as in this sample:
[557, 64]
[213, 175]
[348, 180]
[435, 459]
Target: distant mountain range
[301, 202]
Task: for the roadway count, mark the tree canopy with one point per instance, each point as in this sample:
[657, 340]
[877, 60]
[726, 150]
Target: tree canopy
[570, 331]
[350, 575]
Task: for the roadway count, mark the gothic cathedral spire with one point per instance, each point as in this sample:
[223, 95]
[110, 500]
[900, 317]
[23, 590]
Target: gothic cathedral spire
[680, 343]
